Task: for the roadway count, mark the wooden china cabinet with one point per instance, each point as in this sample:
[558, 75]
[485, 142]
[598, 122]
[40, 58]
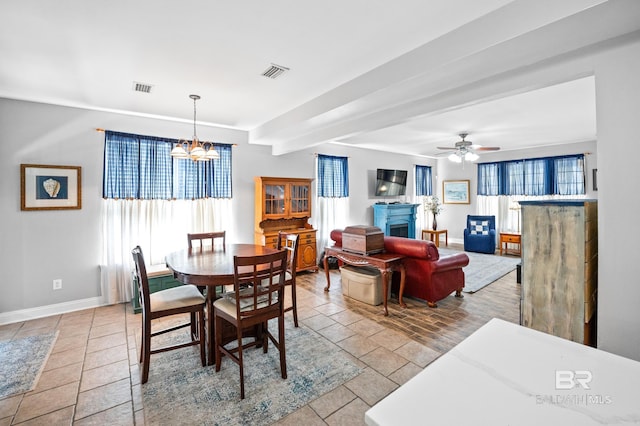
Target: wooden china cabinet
[284, 204]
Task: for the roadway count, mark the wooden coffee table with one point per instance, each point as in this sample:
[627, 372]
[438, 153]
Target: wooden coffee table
[434, 235]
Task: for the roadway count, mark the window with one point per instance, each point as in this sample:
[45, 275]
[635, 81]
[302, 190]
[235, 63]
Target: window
[154, 200]
[331, 208]
[569, 175]
[424, 183]
[489, 178]
[536, 176]
[141, 167]
[513, 177]
[333, 176]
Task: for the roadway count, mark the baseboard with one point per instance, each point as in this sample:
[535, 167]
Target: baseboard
[48, 310]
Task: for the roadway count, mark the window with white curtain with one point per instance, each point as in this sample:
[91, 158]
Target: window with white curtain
[153, 200]
[332, 202]
[501, 185]
[424, 190]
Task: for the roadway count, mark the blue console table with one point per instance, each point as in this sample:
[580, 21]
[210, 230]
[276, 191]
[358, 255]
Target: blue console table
[396, 219]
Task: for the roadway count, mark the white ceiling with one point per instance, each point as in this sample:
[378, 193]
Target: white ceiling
[404, 77]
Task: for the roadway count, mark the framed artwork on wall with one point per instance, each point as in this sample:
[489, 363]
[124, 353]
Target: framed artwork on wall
[50, 187]
[455, 192]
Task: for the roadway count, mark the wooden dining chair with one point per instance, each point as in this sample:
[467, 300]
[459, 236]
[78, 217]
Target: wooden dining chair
[199, 239]
[289, 242]
[164, 303]
[203, 237]
[251, 305]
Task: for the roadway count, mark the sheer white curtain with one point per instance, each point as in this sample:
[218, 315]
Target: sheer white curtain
[330, 214]
[158, 227]
[424, 219]
[507, 211]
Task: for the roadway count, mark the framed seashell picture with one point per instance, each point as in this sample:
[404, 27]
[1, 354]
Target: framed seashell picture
[50, 187]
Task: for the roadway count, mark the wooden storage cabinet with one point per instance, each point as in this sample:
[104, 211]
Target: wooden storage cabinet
[160, 280]
[284, 204]
[281, 198]
[307, 252]
[560, 268]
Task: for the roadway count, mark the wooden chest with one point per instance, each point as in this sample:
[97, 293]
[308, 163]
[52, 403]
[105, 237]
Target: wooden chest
[363, 239]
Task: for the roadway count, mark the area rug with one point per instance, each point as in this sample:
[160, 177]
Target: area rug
[483, 269]
[180, 391]
[22, 361]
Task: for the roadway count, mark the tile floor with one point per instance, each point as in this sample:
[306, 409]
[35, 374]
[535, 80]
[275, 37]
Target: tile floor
[92, 375]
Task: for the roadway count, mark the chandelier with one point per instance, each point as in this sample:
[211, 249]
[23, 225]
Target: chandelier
[194, 149]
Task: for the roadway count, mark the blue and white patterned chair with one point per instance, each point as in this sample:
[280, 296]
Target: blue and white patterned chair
[480, 234]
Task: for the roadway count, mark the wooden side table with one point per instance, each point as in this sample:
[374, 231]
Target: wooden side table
[507, 238]
[434, 235]
[385, 262]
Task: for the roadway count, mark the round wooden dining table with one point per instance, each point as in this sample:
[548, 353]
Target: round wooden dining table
[211, 268]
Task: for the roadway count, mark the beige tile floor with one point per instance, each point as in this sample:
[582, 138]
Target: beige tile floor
[92, 375]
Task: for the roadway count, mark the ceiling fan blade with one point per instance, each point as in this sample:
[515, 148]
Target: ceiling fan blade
[487, 148]
[450, 148]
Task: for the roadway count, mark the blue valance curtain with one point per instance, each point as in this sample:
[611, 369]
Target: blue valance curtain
[333, 176]
[424, 183]
[563, 175]
[141, 167]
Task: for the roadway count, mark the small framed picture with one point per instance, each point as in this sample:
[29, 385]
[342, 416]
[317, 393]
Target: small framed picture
[50, 187]
[455, 192]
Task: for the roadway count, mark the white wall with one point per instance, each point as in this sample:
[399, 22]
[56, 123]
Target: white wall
[618, 111]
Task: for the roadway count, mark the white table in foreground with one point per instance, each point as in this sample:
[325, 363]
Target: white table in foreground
[506, 374]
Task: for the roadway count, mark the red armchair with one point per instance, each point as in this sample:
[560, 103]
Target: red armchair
[428, 276]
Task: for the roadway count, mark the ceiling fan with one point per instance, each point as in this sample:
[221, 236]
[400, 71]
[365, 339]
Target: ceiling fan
[466, 150]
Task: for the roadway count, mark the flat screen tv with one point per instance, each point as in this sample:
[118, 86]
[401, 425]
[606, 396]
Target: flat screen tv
[391, 182]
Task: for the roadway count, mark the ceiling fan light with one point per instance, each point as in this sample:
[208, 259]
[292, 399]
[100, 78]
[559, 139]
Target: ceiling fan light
[471, 156]
[455, 158]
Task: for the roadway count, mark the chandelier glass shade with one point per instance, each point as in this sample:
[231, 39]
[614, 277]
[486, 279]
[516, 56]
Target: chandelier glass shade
[193, 148]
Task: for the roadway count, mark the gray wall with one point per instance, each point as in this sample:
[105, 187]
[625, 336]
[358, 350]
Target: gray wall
[40, 246]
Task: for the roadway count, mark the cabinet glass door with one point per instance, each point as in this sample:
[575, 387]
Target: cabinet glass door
[274, 199]
[300, 200]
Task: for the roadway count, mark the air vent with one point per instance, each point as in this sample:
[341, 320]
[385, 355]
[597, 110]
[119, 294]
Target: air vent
[274, 71]
[142, 87]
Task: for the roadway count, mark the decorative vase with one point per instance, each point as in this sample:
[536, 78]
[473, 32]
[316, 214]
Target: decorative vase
[434, 224]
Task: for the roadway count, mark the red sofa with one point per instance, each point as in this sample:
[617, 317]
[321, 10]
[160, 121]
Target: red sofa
[428, 276]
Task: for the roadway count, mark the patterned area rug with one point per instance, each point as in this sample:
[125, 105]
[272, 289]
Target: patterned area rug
[180, 391]
[483, 269]
[22, 361]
